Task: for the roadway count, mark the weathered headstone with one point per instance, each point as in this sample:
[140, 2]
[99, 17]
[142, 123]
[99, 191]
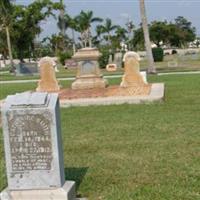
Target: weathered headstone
[173, 63]
[33, 149]
[48, 82]
[132, 76]
[110, 60]
[2, 64]
[118, 59]
[111, 67]
[23, 69]
[88, 74]
[70, 63]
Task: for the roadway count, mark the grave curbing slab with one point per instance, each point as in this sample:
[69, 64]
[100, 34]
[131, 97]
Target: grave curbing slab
[156, 95]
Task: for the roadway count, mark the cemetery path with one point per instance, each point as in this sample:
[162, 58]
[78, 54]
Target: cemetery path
[108, 77]
[172, 73]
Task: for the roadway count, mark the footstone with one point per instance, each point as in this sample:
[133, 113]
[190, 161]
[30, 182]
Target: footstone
[33, 148]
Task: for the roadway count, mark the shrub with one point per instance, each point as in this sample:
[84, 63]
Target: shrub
[103, 60]
[158, 54]
[62, 56]
[174, 51]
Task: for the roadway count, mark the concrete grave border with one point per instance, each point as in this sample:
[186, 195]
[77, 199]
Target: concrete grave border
[156, 95]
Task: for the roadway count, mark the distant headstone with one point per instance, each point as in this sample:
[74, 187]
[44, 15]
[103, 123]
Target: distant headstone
[132, 76]
[110, 60]
[56, 68]
[33, 148]
[2, 64]
[172, 63]
[118, 59]
[70, 63]
[48, 82]
[23, 69]
[88, 73]
[111, 67]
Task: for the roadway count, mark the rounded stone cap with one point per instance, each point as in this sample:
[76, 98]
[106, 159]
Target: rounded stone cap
[87, 54]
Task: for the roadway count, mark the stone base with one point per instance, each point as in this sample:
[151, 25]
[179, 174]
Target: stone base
[48, 87]
[157, 94]
[89, 83]
[67, 192]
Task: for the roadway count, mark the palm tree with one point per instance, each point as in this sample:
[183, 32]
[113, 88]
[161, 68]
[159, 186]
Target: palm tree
[108, 27]
[56, 42]
[151, 67]
[5, 18]
[121, 33]
[84, 21]
[72, 23]
[62, 22]
[99, 31]
[65, 22]
[97, 39]
[130, 27]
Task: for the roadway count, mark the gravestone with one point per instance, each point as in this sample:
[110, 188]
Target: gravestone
[23, 69]
[173, 63]
[48, 82]
[88, 73]
[132, 76]
[2, 64]
[33, 148]
[110, 60]
[111, 67]
[118, 59]
[70, 63]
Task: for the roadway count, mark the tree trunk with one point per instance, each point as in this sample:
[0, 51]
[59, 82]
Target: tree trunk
[89, 37]
[90, 42]
[109, 39]
[151, 67]
[73, 38]
[9, 48]
[63, 26]
[62, 13]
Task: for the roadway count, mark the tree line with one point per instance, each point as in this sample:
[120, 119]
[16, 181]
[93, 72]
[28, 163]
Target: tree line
[20, 25]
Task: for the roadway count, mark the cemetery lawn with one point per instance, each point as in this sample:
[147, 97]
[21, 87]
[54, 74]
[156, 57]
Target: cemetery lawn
[140, 152]
[184, 63]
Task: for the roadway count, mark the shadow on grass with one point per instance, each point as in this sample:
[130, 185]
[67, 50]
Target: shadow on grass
[75, 174]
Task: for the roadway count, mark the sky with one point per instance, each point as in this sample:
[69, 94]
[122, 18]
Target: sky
[120, 11]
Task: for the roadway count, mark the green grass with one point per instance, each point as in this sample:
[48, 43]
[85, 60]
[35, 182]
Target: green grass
[140, 152]
[12, 88]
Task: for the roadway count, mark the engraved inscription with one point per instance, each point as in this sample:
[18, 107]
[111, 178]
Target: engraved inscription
[87, 68]
[30, 143]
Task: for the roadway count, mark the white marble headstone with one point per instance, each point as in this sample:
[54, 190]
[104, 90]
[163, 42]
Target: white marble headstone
[32, 139]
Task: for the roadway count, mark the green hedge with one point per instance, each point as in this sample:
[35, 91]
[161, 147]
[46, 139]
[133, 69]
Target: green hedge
[62, 56]
[103, 60]
[158, 54]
